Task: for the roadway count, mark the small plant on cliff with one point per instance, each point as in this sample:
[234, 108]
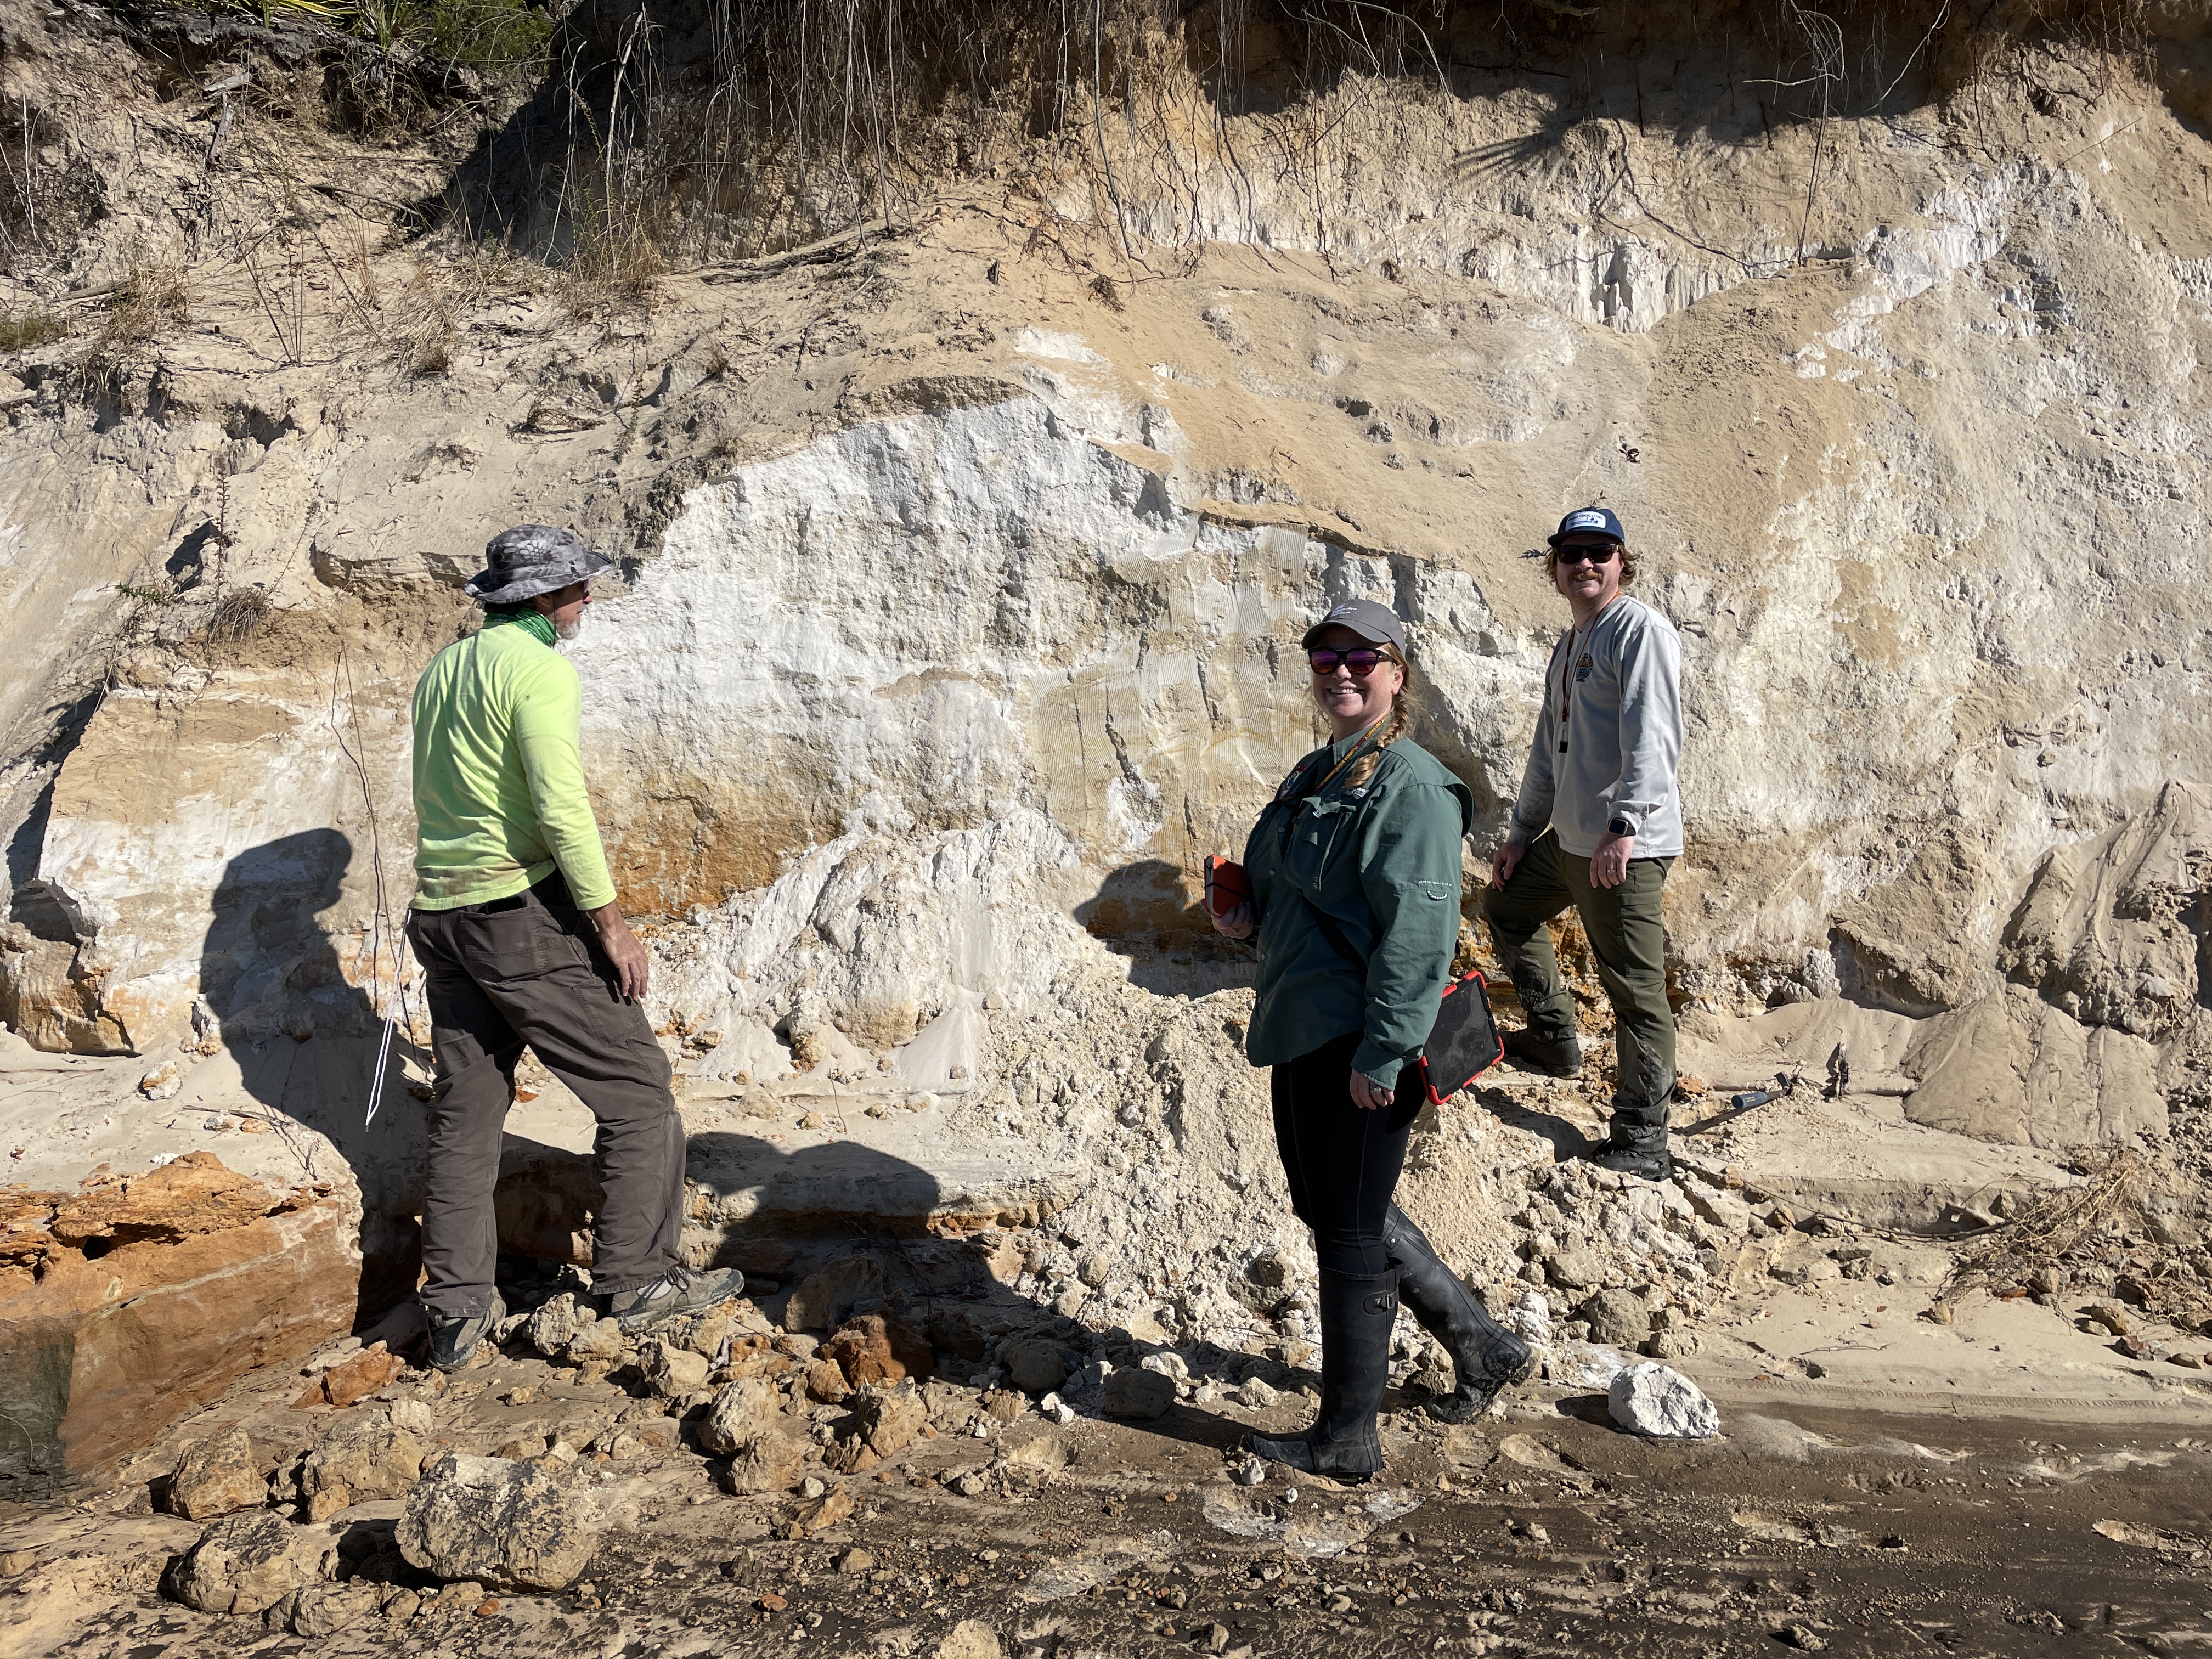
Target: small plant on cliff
[21, 331]
[238, 615]
[161, 593]
[153, 300]
[614, 268]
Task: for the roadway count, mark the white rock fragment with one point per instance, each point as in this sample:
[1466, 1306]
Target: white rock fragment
[1255, 1393]
[1531, 1318]
[1254, 1473]
[1654, 1399]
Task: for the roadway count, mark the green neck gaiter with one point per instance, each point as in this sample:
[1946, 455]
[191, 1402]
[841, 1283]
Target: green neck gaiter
[527, 617]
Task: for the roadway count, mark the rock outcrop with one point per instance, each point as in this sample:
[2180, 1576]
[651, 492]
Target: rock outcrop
[127, 1304]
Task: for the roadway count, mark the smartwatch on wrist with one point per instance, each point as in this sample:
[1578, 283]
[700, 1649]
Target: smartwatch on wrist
[1620, 827]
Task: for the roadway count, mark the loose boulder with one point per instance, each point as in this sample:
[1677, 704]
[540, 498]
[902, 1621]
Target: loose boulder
[217, 1477]
[249, 1563]
[555, 1324]
[498, 1522]
[878, 1349]
[1131, 1391]
[1618, 1318]
[670, 1372]
[770, 1462]
[826, 1383]
[1650, 1399]
[971, 1638]
[743, 1412]
[353, 1379]
[367, 1455]
[600, 1340]
[1036, 1365]
[884, 1424]
[321, 1610]
[827, 1299]
[1576, 1269]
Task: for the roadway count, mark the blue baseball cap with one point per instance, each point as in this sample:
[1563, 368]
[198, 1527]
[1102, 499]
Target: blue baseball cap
[1588, 522]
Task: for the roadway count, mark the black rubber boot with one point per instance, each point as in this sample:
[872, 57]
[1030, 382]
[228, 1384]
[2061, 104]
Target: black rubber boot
[1644, 1163]
[1486, 1358]
[1357, 1313]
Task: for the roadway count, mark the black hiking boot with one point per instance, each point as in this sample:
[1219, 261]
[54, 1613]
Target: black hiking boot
[1486, 1358]
[1357, 1314]
[453, 1341]
[1557, 1057]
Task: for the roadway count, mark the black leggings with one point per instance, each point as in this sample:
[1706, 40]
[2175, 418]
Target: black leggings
[1342, 1162]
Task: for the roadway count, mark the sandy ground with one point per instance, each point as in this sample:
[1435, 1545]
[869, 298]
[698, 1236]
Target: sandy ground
[1901, 1465]
[1940, 1525]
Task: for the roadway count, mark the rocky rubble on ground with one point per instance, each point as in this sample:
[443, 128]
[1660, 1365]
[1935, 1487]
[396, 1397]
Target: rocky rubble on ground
[359, 1489]
[364, 1486]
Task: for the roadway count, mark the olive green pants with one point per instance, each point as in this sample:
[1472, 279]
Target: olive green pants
[1629, 941]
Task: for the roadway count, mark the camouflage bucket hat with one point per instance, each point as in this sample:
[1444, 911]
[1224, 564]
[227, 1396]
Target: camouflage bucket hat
[533, 559]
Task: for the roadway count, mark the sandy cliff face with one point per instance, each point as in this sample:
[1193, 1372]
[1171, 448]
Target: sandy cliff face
[943, 543]
[963, 569]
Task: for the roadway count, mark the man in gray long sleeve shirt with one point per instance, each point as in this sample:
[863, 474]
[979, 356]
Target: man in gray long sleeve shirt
[1597, 824]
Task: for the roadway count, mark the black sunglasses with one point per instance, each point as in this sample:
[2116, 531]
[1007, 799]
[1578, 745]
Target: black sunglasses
[1361, 661]
[1598, 555]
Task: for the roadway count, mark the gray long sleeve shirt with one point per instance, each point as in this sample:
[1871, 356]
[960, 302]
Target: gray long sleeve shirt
[1609, 741]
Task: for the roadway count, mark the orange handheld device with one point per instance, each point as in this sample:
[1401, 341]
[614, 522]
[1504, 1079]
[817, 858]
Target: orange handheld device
[1227, 884]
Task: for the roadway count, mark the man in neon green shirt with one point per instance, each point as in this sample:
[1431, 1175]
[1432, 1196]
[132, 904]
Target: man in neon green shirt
[520, 939]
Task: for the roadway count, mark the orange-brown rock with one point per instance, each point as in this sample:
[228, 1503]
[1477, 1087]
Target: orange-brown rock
[361, 1376]
[218, 1477]
[142, 1297]
[826, 1382]
[876, 1350]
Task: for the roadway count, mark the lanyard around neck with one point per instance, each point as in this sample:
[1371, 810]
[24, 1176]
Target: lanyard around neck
[1349, 755]
[1567, 680]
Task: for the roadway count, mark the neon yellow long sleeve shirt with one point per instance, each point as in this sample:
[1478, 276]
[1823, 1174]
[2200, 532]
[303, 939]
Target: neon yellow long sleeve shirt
[499, 775]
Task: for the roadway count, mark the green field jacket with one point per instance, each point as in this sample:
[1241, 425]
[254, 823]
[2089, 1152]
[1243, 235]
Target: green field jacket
[1382, 863]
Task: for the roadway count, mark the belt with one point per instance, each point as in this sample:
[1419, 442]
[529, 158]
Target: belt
[547, 891]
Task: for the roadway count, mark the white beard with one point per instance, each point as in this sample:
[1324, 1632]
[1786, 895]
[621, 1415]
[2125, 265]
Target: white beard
[569, 630]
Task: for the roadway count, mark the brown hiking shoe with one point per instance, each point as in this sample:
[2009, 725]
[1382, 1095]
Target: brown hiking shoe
[1559, 1057]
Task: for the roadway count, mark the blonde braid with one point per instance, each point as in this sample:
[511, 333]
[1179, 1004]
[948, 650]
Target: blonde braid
[1395, 727]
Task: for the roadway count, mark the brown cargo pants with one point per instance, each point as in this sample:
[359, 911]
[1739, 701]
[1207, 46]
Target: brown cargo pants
[529, 970]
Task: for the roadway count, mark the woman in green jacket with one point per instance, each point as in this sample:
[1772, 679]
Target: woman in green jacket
[1355, 873]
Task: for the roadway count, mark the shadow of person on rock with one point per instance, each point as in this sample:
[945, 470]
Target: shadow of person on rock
[305, 1039]
[1568, 1140]
[1150, 913]
[847, 1230]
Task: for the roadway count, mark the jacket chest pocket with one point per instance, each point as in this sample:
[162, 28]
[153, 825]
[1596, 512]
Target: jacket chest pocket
[1316, 833]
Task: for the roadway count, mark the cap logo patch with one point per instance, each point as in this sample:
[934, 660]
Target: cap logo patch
[1586, 521]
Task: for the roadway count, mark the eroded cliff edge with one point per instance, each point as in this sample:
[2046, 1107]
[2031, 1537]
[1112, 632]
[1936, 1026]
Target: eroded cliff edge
[961, 554]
